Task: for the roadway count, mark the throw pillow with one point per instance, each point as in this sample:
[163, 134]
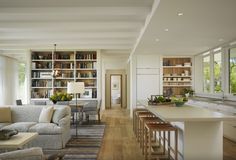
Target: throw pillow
[5, 115]
[58, 114]
[46, 115]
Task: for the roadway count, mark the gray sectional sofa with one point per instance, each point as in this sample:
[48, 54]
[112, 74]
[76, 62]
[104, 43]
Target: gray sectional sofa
[52, 135]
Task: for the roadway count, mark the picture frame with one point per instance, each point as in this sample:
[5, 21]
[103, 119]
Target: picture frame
[87, 93]
[115, 86]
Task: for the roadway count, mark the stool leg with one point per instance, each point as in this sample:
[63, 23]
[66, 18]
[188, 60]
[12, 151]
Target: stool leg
[150, 144]
[168, 144]
[176, 144]
[164, 142]
[145, 143]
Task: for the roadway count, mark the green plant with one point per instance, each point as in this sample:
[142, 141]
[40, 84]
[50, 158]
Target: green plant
[188, 91]
[179, 101]
[59, 96]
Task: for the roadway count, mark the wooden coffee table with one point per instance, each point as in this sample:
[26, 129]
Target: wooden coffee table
[18, 141]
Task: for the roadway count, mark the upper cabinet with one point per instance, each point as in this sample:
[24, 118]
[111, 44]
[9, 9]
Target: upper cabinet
[177, 75]
[52, 70]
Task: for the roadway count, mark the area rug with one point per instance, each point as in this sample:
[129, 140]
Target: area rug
[85, 146]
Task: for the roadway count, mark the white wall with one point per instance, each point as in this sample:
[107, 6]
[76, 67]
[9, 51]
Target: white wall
[8, 80]
[111, 62]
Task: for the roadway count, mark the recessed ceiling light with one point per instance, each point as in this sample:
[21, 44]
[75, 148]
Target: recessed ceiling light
[157, 40]
[166, 29]
[180, 14]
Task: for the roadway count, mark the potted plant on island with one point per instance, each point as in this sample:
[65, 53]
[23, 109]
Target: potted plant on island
[179, 101]
[60, 96]
[188, 92]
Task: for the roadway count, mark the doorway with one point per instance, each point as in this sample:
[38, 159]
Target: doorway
[116, 90]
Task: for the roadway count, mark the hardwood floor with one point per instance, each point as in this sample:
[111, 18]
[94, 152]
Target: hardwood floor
[119, 142]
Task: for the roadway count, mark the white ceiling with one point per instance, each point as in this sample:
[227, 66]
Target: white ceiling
[203, 24]
[115, 25]
[110, 25]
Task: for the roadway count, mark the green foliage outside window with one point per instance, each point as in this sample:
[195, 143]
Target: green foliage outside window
[217, 72]
[232, 71]
[206, 74]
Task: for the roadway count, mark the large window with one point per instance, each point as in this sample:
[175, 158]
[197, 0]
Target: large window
[22, 82]
[217, 72]
[232, 71]
[206, 74]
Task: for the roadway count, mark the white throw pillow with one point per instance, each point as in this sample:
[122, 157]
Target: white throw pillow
[46, 115]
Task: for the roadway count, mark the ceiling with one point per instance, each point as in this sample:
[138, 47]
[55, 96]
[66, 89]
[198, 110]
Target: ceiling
[110, 25]
[116, 26]
[204, 24]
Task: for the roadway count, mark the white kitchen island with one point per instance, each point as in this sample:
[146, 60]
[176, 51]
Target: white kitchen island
[202, 130]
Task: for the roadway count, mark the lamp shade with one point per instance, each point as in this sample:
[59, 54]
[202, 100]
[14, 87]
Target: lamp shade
[75, 87]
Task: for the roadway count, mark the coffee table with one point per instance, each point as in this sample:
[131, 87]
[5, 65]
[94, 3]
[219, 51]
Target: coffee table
[18, 141]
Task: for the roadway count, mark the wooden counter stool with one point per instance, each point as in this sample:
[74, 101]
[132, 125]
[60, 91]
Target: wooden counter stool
[165, 127]
[134, 116]
[149, 120]
[137, 123]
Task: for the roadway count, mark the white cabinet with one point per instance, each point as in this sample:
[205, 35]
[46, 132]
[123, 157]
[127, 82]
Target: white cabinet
[148, 76]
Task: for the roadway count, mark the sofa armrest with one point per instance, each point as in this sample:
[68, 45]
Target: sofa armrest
[64, 122]
[34, 153]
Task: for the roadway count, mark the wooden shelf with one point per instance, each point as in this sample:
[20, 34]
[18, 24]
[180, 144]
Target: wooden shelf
[86, 60]
[177, 85]
[42, 87]
[64, 60]
[86, 69]
[87, 78]
[176, 66]
[178, 76]
[41, 60]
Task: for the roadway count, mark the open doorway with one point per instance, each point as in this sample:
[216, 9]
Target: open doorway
[116, 90]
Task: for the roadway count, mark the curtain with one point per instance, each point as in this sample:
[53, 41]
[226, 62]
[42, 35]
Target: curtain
[8, 80]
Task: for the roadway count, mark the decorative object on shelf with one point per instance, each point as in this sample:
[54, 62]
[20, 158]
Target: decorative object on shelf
[179, 101]
[159, 100]
[76, 88]
[87, 93]
[6, 134]
[59, 96]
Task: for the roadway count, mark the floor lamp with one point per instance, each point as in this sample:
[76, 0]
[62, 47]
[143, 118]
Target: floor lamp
[76, 88]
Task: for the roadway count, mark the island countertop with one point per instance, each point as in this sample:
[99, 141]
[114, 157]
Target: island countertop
[185, 113]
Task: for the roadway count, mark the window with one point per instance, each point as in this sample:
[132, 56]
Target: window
[232, 71]
[217, 72]
[206, 74]
[22, 82]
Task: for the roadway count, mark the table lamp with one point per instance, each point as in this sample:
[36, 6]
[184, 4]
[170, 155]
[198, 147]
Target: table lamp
[76, 88]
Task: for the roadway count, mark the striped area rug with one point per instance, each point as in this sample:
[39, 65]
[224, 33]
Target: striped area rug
[86, 145]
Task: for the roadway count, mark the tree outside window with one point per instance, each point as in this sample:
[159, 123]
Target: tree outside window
[217, 72]
[232, 70]
[206, 74]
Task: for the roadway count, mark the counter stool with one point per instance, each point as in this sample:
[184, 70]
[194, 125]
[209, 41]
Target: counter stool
[161, 127]
[149, 120]
[134, 116]
[137, 123]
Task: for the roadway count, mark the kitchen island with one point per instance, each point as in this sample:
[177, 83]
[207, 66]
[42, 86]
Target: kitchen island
[202, 129]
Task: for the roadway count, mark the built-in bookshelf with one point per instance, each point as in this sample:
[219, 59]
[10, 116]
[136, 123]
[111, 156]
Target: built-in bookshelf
[52, 70]
[177, 75]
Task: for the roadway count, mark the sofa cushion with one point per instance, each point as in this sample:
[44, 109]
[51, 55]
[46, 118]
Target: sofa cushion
[46, 129]
[5, 115]
[46, 115]
[58, 114]
[4, 124]
[20, 126]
